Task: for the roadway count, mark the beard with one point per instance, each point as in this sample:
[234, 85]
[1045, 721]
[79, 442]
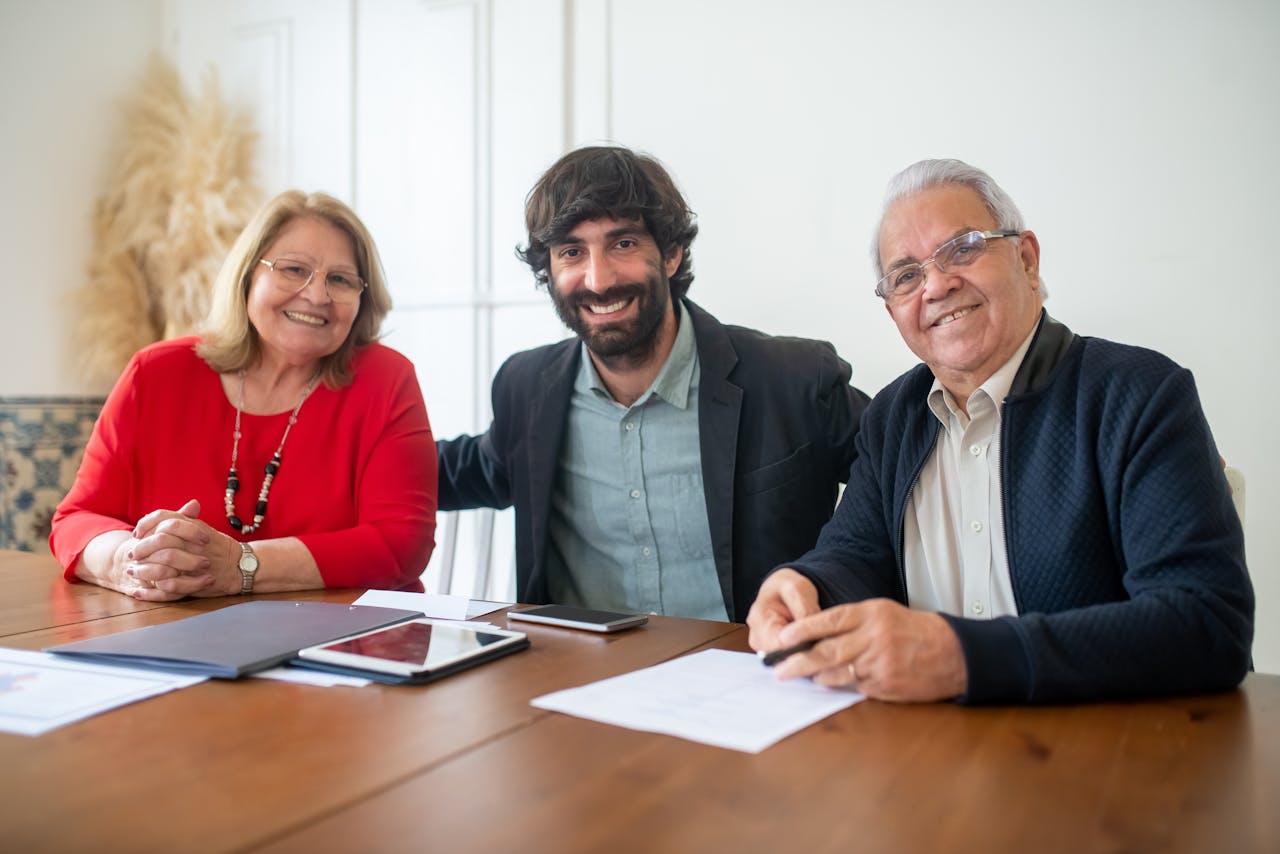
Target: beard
[624, 343]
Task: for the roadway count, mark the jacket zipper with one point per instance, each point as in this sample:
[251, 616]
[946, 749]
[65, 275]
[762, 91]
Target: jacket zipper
[902, 509]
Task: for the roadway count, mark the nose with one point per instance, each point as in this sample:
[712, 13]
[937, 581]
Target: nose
[938, 282]
[315, 288]
[599, 274]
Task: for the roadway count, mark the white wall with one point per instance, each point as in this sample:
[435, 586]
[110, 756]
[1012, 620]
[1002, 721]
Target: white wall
[1139, 139]
[1128, 132]
[65, 65]
[290, 63]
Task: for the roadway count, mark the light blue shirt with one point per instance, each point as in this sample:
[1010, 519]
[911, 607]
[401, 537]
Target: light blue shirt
[628, 526]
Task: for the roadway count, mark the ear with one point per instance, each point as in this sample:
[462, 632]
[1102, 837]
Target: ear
[1029, 253]
[672, 262]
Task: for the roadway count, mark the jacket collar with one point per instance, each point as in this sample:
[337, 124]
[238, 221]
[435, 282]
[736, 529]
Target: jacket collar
[1049, 346]
[716, 355]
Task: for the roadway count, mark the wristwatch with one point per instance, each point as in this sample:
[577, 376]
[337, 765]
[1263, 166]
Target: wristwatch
[248, 568]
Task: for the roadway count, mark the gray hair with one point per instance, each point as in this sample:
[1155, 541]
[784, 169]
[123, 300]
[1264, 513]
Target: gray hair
[927, 174]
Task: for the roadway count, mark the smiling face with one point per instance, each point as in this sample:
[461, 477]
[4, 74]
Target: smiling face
[299, 328]
[966, 323]
[610, 285]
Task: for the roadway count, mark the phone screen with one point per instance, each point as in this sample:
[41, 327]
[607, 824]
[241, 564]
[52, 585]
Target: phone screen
[422, 645]
[579, 618]
[580, 615]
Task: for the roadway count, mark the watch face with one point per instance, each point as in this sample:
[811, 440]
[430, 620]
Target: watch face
[249, 562]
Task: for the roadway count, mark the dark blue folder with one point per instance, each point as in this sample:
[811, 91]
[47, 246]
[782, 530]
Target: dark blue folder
[235, 641]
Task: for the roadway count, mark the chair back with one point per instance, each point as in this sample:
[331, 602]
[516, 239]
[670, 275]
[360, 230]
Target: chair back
[1235, 479]
[470, 546]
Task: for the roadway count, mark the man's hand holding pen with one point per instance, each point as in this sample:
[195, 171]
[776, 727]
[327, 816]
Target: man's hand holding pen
[884, 649]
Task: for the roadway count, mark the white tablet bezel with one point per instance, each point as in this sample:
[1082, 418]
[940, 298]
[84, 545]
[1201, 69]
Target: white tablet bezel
[319, 652]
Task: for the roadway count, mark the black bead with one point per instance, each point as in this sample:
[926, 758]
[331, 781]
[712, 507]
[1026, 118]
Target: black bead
[272, 467]
[261, 509]
[233, 484]
[234, 521]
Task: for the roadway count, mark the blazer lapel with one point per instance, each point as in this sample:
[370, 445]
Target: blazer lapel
[546, 419]
[719, 408]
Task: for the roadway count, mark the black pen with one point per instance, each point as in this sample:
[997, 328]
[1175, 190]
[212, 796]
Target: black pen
[769, 659]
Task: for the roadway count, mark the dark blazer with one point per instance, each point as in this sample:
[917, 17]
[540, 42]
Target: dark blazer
[776, 421]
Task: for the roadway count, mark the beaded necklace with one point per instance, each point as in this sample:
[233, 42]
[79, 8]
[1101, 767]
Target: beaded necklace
[269, 471]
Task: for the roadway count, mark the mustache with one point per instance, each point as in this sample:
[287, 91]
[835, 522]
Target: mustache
[613, 294]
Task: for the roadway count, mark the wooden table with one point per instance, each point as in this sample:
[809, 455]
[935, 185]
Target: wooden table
[258, 765]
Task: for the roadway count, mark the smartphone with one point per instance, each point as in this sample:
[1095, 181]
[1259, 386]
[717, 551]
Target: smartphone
[579, 618]
[418, 649]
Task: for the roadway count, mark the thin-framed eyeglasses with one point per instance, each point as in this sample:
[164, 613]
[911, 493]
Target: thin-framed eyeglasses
[291, 275]
[957, 252]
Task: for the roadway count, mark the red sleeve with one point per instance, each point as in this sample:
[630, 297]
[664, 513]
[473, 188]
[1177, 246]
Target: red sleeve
[394, 534]
[99, 499]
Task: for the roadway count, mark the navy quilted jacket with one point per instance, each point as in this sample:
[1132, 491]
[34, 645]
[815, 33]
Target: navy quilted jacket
[1126, 554]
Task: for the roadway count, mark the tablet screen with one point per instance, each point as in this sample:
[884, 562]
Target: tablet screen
[421, 645]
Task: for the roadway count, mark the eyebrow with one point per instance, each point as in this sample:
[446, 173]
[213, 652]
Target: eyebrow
[911, 259]
[636, 230]
[629, 230]
[289, 255]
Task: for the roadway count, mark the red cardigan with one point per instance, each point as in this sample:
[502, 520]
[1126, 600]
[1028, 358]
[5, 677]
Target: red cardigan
[357, 479]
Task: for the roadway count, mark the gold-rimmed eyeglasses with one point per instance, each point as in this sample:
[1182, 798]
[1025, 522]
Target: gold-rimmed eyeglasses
[959, 251]
[291, 275]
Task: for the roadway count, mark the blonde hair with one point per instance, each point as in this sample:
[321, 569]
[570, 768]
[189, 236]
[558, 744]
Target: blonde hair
[230, 343]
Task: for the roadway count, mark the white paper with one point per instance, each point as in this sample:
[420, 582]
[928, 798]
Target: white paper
[304, 676]
[480, 607]
[40, 691]
[717, 697]
[430, 604]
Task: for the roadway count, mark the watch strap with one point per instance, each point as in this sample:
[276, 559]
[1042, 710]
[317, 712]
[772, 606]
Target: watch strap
[248, 568]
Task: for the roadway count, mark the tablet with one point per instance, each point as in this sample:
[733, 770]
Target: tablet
[416, 651]
[579, 618]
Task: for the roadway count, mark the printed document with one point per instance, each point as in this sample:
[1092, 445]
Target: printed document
[40, 692]
[717, 697]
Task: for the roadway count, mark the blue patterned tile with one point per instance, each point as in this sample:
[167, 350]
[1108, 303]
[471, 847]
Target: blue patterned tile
[41, 442]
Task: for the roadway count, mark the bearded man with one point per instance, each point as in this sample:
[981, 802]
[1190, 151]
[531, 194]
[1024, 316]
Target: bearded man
[661, 461]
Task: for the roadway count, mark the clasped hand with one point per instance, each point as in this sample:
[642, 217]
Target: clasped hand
[173, 554]
[880, 647]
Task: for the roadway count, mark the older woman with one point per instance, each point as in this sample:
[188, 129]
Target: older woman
[282, 450]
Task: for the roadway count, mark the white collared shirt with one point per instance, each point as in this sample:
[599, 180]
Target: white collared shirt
[953, 545]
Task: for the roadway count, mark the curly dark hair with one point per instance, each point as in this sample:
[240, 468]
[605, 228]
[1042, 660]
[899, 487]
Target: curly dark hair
[614, 182]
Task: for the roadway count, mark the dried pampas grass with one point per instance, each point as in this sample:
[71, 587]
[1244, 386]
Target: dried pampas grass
[181, 193]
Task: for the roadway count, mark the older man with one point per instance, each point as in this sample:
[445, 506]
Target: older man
[660, 461]
[1033, 515]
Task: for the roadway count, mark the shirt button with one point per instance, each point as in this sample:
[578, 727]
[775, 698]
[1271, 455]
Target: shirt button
[976, 525]
[973, 449]
[635, 493]
[645, 551]
[977, 606]
[630, 426]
